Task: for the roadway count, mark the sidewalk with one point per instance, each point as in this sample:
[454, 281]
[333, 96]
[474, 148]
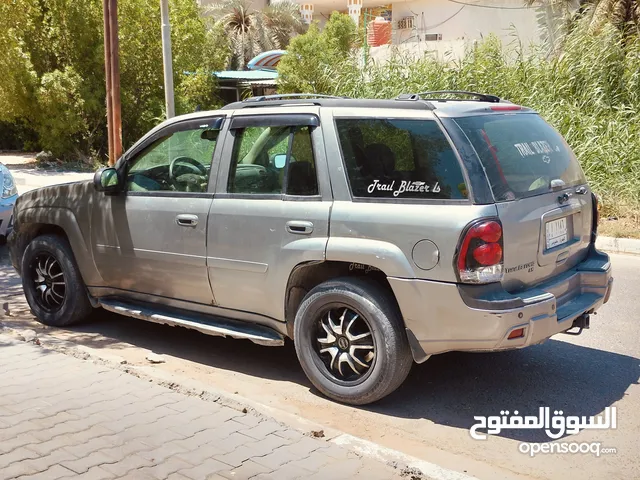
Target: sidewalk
[65, 417]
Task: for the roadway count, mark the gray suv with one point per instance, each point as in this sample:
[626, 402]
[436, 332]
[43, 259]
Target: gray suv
[373, 233]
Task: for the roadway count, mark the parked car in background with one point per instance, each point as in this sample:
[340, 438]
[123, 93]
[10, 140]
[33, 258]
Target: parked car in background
[373, 233]
[8, 197]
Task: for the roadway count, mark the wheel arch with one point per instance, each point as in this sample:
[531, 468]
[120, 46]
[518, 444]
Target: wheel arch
[38, 221]
[305, 276]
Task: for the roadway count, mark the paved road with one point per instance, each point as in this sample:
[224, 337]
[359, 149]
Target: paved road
[61, 417]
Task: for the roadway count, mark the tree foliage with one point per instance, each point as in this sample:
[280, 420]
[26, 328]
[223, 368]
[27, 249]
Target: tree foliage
[52, 68]
[314, 59]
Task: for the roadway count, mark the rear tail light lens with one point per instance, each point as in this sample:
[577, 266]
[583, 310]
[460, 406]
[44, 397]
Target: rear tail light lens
[488, 254]
[480, 258]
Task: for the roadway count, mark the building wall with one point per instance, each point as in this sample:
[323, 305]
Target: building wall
[461, 20]
[445, 50]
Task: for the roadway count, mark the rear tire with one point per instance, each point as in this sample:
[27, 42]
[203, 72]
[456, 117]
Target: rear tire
[337, 316]
[52, 282]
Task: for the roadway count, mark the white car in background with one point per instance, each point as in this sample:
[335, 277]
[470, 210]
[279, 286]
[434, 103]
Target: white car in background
[8, 197]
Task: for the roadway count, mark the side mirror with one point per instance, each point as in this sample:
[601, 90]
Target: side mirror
[280, 160]
[106, 180]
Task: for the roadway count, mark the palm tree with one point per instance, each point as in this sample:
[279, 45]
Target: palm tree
[623, 14]
[252, 32]
[282, 20]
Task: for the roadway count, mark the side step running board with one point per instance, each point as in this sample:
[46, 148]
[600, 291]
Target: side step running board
[206, 324]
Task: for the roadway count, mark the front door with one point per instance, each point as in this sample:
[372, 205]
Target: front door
[151, 238]
[272, 213]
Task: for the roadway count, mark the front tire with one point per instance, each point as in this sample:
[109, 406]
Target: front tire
[351, 342]
[52, 282]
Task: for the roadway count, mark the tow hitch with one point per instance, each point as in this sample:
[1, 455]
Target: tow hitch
[580, 323]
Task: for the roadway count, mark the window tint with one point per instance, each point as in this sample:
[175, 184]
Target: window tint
[399, 159]
[521, 154]
[264, 159]
[177, 162]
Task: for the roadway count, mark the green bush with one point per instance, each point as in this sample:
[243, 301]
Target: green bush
[52, 69]
[317, 58]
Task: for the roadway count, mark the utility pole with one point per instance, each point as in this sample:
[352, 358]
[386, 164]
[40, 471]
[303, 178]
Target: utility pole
[107, 71]
[166, 59]
[112, 75]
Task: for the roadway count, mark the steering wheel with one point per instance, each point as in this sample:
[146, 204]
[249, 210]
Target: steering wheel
[192, 164]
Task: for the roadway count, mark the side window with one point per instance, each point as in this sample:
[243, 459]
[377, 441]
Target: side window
[399, 158]
[178, 162]
[273, 160]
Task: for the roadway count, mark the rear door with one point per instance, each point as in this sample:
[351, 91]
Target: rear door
[541, 194]
[270, 212]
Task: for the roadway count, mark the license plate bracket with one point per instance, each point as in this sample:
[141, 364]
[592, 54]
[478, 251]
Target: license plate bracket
[556, 233]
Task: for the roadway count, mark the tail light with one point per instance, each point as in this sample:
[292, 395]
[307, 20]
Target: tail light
[480, 257]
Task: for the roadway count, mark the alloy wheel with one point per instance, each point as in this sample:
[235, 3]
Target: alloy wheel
[345, 344]
[49, 282]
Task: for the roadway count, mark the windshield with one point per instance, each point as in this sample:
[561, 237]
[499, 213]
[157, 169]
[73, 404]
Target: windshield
[521, 154]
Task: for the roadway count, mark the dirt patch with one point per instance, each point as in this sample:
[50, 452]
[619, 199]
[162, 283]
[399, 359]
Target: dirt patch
[626, 227]
[26, 161]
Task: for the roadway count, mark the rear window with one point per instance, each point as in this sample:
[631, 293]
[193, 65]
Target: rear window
[521, 154]
[398, 158]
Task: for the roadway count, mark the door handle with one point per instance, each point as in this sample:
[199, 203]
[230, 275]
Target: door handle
[186, 220]
[581, 190]
[299, 227]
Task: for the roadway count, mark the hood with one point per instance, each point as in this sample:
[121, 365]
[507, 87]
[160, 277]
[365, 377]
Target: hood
[66, 195]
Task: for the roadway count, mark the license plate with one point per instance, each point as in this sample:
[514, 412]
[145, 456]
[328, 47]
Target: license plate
[556, 232]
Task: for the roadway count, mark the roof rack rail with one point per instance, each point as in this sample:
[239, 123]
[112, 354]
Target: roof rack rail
[263, 98]
[483, 97]
[327, 101]
[411, 97]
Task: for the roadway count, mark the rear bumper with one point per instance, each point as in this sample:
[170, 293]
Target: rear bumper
[441, 317]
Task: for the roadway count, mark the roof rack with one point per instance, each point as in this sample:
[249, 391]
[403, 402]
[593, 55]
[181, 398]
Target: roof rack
[483, 97]
[299, 99]
[263, 98]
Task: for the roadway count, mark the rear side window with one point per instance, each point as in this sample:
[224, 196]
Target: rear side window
[399, 158]
[521, 154]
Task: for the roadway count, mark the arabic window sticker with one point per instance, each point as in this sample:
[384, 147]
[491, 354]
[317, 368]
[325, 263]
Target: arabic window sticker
[403, 187]
[554, 426]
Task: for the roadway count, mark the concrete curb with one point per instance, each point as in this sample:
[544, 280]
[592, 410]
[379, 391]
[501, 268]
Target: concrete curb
[406, 465]
[389, 456]
[619, 245]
